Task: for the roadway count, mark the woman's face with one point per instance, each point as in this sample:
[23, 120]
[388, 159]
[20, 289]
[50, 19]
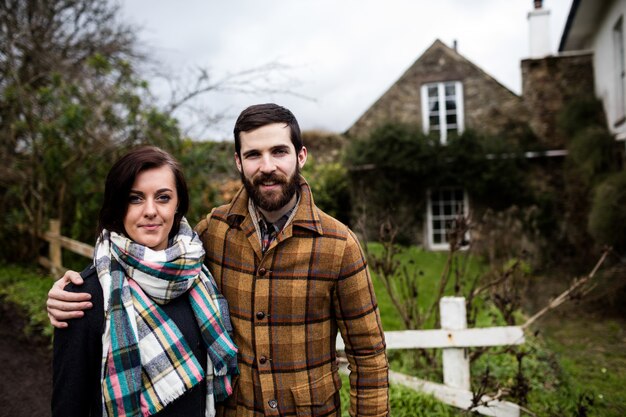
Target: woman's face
[152, 204]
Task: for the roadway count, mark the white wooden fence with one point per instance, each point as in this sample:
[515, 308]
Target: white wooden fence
[454, 338]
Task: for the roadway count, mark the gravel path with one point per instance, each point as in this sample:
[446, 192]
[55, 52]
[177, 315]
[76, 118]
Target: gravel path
[25, 370]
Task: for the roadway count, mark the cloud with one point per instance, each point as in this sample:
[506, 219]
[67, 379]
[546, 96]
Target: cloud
[344, 54]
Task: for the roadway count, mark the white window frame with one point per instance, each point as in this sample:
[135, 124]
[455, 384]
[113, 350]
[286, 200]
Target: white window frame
[442, 217]
[620, 66]
[441, 99]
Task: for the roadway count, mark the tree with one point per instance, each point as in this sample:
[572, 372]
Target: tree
[70, 102]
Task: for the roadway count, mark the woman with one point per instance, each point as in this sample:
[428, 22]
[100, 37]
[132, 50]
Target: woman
[156, 340]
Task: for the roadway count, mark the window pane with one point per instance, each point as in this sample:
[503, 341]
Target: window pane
[434, 121]
[443, 99]
[449, 204]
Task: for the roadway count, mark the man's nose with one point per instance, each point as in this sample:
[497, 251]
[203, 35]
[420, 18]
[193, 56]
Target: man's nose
[267, 164]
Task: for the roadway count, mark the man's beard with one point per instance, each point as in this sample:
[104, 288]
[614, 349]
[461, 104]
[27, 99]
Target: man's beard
[272, 201]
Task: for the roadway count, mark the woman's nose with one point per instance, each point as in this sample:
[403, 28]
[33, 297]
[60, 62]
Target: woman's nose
[149, 208]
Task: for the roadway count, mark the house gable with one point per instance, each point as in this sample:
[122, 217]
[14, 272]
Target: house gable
[488, 105]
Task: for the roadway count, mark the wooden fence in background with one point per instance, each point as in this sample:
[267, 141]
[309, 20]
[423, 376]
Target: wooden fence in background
[454, 338]
[56, 244]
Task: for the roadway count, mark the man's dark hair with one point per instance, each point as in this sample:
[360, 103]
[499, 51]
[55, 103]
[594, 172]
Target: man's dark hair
[121, 178]
[260, 115]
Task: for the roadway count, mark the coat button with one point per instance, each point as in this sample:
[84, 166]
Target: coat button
[262, 271]
[272, 403]
[260, 315]
[262, 360]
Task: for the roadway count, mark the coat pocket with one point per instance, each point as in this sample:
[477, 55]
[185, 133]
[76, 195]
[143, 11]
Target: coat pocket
[317, 396]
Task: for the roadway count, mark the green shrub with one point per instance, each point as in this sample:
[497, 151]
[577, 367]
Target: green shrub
[392, 169]
[27, 289]
[607, 220]
[329, 184]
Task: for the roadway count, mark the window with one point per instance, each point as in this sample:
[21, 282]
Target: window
[442, 109]
[618, 45]
[444, 206]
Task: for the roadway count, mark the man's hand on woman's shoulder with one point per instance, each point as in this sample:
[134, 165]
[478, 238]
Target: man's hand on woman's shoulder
[65, 305]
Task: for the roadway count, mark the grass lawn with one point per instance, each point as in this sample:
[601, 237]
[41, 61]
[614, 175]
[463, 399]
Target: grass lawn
[592, 352]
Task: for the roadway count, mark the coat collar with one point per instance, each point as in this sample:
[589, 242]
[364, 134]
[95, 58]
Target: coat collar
[306, 215]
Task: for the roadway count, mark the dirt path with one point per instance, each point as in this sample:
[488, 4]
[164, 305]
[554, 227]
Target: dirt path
[25, 371]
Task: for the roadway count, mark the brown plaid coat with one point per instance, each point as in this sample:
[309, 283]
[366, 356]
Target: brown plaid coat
[286, 307]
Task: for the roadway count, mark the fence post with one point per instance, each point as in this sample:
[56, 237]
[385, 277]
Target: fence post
[56, 262]
[456, 365]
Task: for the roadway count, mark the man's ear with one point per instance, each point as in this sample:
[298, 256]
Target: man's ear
[238, 162]
[302, 155]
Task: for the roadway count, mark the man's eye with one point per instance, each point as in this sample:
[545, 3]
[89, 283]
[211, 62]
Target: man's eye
[280, 151]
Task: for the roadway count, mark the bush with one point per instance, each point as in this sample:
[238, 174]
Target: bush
[27, 289]
[607, 220]
[392, 169]
[329, 185]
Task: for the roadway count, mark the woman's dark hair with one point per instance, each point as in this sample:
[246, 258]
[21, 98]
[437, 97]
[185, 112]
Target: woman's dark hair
[121, 178]
[260, 115]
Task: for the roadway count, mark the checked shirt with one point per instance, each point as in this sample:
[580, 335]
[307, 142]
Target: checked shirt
[288, 303]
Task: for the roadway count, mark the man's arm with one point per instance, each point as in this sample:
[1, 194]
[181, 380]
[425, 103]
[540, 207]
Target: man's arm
[64, 305]
[358, 320]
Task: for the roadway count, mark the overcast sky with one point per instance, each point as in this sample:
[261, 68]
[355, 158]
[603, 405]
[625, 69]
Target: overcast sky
[341, 54]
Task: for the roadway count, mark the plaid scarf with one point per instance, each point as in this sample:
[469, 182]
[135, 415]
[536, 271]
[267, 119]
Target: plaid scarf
[146, 362]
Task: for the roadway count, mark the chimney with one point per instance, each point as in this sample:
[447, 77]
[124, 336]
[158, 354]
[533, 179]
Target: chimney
[539, 30]
[454, 45]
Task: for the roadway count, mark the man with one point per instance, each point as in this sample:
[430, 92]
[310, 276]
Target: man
[293, 276]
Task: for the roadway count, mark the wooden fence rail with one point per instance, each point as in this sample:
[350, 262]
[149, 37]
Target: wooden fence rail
[454, 338]
[56, 242]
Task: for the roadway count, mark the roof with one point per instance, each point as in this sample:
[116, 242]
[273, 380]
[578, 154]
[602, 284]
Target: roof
[582, 22]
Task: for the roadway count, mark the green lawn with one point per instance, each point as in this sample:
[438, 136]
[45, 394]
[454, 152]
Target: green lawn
[592, 352]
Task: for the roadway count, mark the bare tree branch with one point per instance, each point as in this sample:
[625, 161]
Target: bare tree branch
[566, 295]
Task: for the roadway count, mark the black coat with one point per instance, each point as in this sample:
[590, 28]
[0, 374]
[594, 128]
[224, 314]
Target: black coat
[76, 390]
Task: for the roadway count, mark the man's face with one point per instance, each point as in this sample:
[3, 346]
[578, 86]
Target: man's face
[269, 165]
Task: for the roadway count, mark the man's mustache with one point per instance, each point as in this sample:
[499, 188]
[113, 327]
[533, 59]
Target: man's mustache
[278, 179]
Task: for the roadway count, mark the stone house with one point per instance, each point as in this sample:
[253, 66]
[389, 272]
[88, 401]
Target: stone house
[445, 94]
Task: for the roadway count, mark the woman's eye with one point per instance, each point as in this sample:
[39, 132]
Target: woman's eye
[164, 198]
[134, 199]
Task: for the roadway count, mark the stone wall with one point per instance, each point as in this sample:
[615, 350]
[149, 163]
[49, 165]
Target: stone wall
[547, 85]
